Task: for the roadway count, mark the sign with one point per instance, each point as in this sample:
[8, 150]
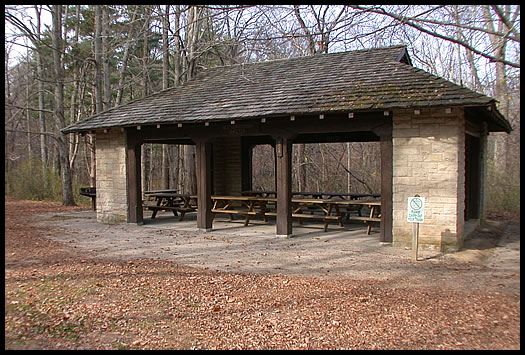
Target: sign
[416, 209]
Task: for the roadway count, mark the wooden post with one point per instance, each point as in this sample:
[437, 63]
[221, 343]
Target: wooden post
[385, 235]
[133, 162]
[415, 241]
[283, 154]
[204, 216]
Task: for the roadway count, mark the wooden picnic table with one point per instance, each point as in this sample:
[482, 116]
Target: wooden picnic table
[174, 202]
[251, 206]
[341, 195]
[90, 192]
[259, 193]
[314, 194]
[302, 208]
[373, 205]
[152, 192]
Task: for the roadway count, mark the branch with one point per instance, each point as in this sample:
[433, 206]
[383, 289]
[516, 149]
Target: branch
[507, 22]
[410, 22]
[49, 134]
[349, 172]
[30, 108]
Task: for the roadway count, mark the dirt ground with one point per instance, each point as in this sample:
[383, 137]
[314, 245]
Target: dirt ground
[74, 283]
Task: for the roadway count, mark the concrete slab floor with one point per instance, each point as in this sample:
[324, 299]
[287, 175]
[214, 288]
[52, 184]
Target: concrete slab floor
[347, 252]
[231, 246]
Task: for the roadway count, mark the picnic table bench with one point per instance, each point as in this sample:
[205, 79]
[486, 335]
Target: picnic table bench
[90, 192]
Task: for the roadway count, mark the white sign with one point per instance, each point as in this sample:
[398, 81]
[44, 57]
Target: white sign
[416, 209]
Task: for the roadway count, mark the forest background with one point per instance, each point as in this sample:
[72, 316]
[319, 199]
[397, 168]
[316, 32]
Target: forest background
[64, 63]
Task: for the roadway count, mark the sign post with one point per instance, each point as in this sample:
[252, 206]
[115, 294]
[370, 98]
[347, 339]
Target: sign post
[416, 215]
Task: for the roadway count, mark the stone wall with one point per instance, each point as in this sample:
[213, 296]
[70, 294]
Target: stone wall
[111, 177]
[428, 159]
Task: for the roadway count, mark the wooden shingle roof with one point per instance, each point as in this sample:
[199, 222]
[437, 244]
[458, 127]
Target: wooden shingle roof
[373, 79]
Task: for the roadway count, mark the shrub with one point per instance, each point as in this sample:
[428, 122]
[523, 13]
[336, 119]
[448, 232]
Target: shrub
[29, 181]
[503, 190]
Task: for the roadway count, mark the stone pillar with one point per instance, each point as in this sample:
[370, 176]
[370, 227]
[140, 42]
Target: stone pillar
[429, 160]
[111, 177]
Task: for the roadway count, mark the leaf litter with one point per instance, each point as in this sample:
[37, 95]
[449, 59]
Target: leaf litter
[57, 297]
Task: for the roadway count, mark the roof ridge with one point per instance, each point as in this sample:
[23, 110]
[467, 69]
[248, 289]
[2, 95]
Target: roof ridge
[308, 56]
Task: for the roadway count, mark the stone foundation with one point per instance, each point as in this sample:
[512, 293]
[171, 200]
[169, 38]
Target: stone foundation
[428, 159]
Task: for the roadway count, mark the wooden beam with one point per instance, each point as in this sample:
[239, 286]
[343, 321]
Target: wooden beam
[385, 235]
[204, 185]
[283, 186]
[364, 121]
[133, 162]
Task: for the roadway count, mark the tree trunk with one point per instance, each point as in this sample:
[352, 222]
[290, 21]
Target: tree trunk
[192, 38]
[177, 54]
[189, 165]
[67, 184]
[501, 90]
[145, 52]
[125, 58]
[301, 167]
[105, 57]
[41, 114]
[98, 59]
[165, 84]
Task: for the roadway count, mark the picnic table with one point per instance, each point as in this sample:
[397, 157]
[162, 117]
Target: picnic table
[250, 206]
[152, 192]
[374, 207]
[90, 192]
[174, 202]
[315, 208]
[327, 210]
[313, 194]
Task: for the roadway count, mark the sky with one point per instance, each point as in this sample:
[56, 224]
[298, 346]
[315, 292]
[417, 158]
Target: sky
[28, 17]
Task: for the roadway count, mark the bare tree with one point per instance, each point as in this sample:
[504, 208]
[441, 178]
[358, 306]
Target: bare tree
[60, 120]
[40, 83]
[106, 52]
[165, 84]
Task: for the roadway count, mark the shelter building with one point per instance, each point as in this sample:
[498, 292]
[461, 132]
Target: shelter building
[432, 134]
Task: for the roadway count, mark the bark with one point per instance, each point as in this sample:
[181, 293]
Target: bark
[41, 114]
[177, 55]
[98, 59]
[67, 186]
[125, 58]
[501, 90]
[105, 57]
[145, 52]
[192, 38]
[165, 84]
